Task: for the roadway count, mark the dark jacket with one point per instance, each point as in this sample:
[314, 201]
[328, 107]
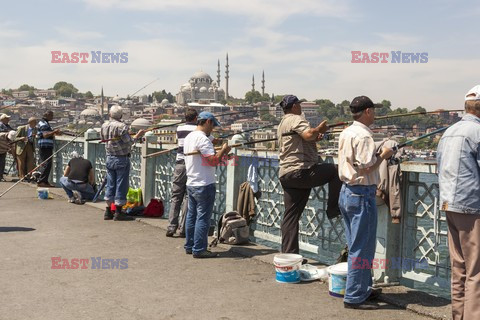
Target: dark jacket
[246, 202]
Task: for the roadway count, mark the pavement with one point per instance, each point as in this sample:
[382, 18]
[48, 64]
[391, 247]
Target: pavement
[158, 281]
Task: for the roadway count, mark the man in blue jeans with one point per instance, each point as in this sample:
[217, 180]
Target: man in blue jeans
[118, 145]
[201, 184]
[358, 169]
[78, 179]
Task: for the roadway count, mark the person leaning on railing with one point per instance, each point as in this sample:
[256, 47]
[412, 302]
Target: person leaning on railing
[118, 146]
[458, 158]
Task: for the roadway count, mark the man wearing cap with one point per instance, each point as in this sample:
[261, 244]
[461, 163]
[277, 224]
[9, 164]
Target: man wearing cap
[358, 169]
[46, 137]
[78, 179]
[458, 158]
[118, 149]
[201, 184]
[25, 147]
[179, 178]
[6, 139]
[4, 120]
[300, 171]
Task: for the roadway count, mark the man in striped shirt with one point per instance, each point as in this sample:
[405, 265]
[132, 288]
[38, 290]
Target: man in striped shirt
[179, 179]
[358, 169]
[46, 136]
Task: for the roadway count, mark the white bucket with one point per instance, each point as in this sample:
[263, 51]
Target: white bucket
[287, 266]
[337, 279]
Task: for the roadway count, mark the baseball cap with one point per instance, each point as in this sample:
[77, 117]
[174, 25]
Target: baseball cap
[289, 100]
[473, 94]
[4, 116]
[205, 115]
[12, 135]
[361, 103]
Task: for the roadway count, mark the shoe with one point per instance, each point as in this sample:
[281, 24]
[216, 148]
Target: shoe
[188, 251]
[121, 216]
[374, 294]
[170, 233]
[3, 180]
[182, 235]
[108, 215]
[71, 200]
[304, 261]
[78, 197]
[43, 185]
[205, 254]
[361, 306]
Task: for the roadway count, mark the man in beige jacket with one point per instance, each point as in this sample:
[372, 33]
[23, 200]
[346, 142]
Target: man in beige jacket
[26, 147]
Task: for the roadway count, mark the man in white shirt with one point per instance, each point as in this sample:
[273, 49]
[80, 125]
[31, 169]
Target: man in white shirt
[201, 184]
[358, 170]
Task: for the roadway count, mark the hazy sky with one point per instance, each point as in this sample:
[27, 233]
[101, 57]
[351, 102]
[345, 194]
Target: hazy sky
[304, 46]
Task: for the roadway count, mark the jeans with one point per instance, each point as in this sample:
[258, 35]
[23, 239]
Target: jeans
[179, 191]
[359, 211]
[44, 154]
[118, 171]
[200, 208]
[85, 189]
[3, 157]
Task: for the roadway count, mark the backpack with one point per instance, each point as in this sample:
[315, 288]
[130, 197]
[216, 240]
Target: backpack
[232, 228]
[154, 208]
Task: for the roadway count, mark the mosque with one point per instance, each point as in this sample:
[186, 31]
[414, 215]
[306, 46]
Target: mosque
[201, 88]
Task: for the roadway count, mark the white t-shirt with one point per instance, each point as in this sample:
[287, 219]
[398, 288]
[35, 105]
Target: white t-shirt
[199, 173]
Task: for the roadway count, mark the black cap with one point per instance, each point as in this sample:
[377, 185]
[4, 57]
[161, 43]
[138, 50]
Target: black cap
[361, 103]
[289, 100]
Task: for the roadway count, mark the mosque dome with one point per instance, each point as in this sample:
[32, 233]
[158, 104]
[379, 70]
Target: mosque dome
[89, 112]
[141, 123]
[201, 75]
[220, 90]
[203, 89]
[116, 98]
[165, 102]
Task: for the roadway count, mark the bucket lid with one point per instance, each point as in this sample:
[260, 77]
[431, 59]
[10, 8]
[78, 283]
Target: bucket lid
[287, 259]
[339, 268]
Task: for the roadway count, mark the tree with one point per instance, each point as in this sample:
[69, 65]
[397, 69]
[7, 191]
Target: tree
[160, 95]
[88, 95]
[65, 89]
[255, 96]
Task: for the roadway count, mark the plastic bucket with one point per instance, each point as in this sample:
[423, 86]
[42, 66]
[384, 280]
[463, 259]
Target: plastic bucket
[42, 193]
[337, 279]
[287, 266]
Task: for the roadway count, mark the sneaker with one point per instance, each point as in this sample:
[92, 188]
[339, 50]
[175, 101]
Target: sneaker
[71, 200]
[3, 180]
[205, 254]
[187, 251]
[78, 197]
[170, 233]
[361, 306]
[108, 215]
[122, 216]
[374, 294]
[182, 235]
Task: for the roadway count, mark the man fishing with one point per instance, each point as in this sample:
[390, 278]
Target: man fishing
[118, 163]
[46, 137]
[300, 170]
[358, 169]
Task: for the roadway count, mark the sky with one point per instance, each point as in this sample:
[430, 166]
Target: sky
[303, 46]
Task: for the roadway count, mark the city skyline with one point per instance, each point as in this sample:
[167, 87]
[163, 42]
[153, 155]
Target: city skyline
[304, 47]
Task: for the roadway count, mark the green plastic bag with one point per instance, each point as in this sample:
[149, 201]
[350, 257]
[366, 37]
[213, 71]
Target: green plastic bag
[134, 197]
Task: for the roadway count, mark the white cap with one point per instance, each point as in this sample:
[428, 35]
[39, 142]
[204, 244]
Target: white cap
[4, 116]
[12, 135]
[473, 94]
[116, 112]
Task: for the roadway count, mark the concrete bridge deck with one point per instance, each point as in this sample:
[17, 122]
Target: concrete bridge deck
[161, 281]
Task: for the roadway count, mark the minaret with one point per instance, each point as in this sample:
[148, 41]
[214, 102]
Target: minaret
[263, 83]
[226, 79]
[253, 83]
[218, 74]
[101, 105]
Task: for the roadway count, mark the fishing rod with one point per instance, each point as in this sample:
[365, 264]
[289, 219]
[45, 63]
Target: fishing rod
[45, 161]
[248, 130]
[131, 96]
[409, 142]
[173, 124]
